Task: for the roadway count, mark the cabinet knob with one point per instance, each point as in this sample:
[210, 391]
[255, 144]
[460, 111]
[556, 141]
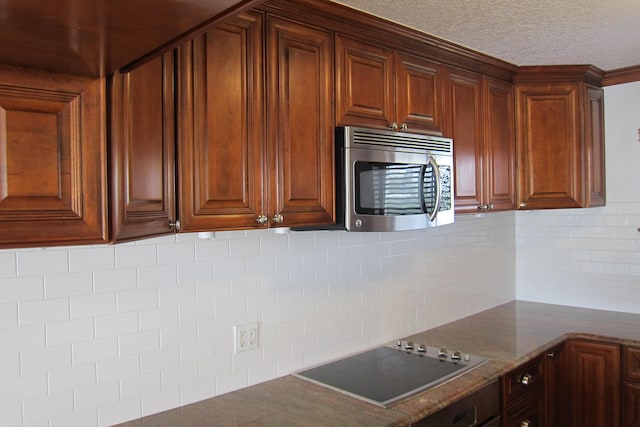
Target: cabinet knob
[393, 126]
[404, 126]
[262, 219]
[525, 423]
[522, 205]
[277, 219]
[174, 225]
[525, 379]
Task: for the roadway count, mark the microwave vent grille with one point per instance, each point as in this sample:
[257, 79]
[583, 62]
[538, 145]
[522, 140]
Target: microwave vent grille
[400, 140]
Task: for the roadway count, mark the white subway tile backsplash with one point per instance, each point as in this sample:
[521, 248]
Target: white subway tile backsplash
[68, 284]
[45, 359]
[110, 281]
[157, 275]
[8, 265]
[141, 385]
[158, 318]
[165, 358]
[77, 419]
[176, 253]
[68, 332]
[201, 390]
[11, 414]
[17, 289]
[39, 262]
[9, 366]
[8, 315]
[23, 388]
[116, 325]
[177, 295]
[50, 406]
[176, 376]
[195, 272]
[140, 327]
[156, 402]
[112, 370]
[137, 300]
[21, 339]
[92, 305]
[94, 351]
[135, 344]
[118, 412]
[92, 396]
[91, 258]
[128, 256]
[72, 378]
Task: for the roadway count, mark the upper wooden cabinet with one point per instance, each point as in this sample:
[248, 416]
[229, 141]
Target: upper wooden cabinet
[560, 137]
[52, 159]
[220, 126]
[380, 87]
[481, 122]
[241, 167]
[143, 150]
[300, 123]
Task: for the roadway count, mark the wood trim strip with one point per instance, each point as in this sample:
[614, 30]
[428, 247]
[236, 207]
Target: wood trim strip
[622, 75]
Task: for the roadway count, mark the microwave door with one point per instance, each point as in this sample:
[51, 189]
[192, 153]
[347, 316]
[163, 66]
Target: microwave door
[430, 189]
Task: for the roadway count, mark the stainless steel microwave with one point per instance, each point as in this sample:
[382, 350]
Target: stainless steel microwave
[393, 181]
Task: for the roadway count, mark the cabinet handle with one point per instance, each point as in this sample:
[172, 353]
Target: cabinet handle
[525, 379]
[525, 423]
[393, 126]
[262, 219]
[522, 205]
[174, 225]
[277, 219]
[551, 354]
[404, 126]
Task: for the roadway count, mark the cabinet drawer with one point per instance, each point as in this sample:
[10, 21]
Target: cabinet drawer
[522, 380]
[632, 363]
[526, 413]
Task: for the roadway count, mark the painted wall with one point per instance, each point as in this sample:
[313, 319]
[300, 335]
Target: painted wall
[591, 257]
[92, 336]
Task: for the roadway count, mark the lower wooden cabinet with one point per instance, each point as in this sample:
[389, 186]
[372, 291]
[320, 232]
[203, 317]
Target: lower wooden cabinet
[529, 412]
[631, 387]
[594, 383]
[52, 159]
[523, 395]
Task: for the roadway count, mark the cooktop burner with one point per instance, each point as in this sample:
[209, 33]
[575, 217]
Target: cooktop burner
[388, 374]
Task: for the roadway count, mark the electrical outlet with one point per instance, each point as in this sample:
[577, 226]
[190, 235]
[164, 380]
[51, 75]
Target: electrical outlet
[246, 337]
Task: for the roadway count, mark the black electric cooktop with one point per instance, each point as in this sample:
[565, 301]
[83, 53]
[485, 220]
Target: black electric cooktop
[388, 374]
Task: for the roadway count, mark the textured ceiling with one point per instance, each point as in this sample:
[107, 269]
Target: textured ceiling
[604, 33]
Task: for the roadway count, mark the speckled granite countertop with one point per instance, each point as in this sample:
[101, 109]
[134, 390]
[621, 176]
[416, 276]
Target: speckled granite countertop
[508, 335]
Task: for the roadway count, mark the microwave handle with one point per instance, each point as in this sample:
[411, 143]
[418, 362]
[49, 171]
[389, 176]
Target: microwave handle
[436, 171]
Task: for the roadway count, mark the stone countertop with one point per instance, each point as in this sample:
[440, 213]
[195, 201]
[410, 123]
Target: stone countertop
[508, 335]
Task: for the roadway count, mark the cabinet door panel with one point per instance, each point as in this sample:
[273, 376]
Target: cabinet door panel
[220, 136]
[52, 159]
[465, 126]
[594, 149]
[549, 146]
[594, 383]
[143, 150]
[500, 145]
[301, 129]
[364, 84]
[631, 404]
[419, 94]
